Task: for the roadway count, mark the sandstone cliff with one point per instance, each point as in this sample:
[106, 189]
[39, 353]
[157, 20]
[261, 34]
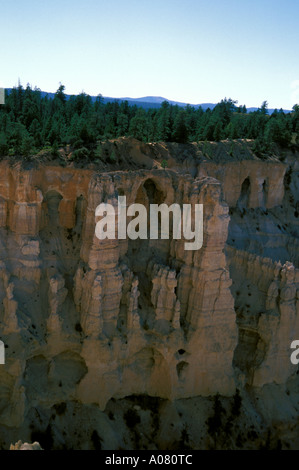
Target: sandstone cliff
[86, 321]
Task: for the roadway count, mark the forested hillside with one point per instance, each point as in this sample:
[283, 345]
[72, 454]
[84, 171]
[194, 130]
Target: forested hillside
[31, 122]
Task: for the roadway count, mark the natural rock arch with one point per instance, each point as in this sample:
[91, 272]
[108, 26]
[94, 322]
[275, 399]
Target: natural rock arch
[148, 193]
[150, 190]
[53, 199]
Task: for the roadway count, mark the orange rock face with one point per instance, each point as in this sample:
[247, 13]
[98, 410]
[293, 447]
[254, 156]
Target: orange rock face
[123, 307]
[89, 320]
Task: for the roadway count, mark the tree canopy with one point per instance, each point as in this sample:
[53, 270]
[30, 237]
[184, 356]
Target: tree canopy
[31, 121]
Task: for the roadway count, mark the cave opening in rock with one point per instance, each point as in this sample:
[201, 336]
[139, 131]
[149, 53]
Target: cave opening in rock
[264, 193]
[243, 200]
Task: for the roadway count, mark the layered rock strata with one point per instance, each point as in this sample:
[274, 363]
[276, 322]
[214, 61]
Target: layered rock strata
[95, 319]
[267, 307]
[86, 321]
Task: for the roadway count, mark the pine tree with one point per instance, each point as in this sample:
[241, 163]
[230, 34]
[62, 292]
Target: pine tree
[180, 131]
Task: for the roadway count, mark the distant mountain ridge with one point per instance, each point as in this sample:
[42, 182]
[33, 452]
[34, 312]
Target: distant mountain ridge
[149, 102]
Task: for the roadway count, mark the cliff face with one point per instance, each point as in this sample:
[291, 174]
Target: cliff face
[130, 316]
[87, 321]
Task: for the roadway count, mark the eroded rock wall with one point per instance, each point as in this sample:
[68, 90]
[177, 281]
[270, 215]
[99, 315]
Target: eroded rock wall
[267, 307]
[89, 319]
[85, 320]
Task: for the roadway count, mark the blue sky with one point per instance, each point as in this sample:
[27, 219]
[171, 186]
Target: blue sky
[191, 51]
